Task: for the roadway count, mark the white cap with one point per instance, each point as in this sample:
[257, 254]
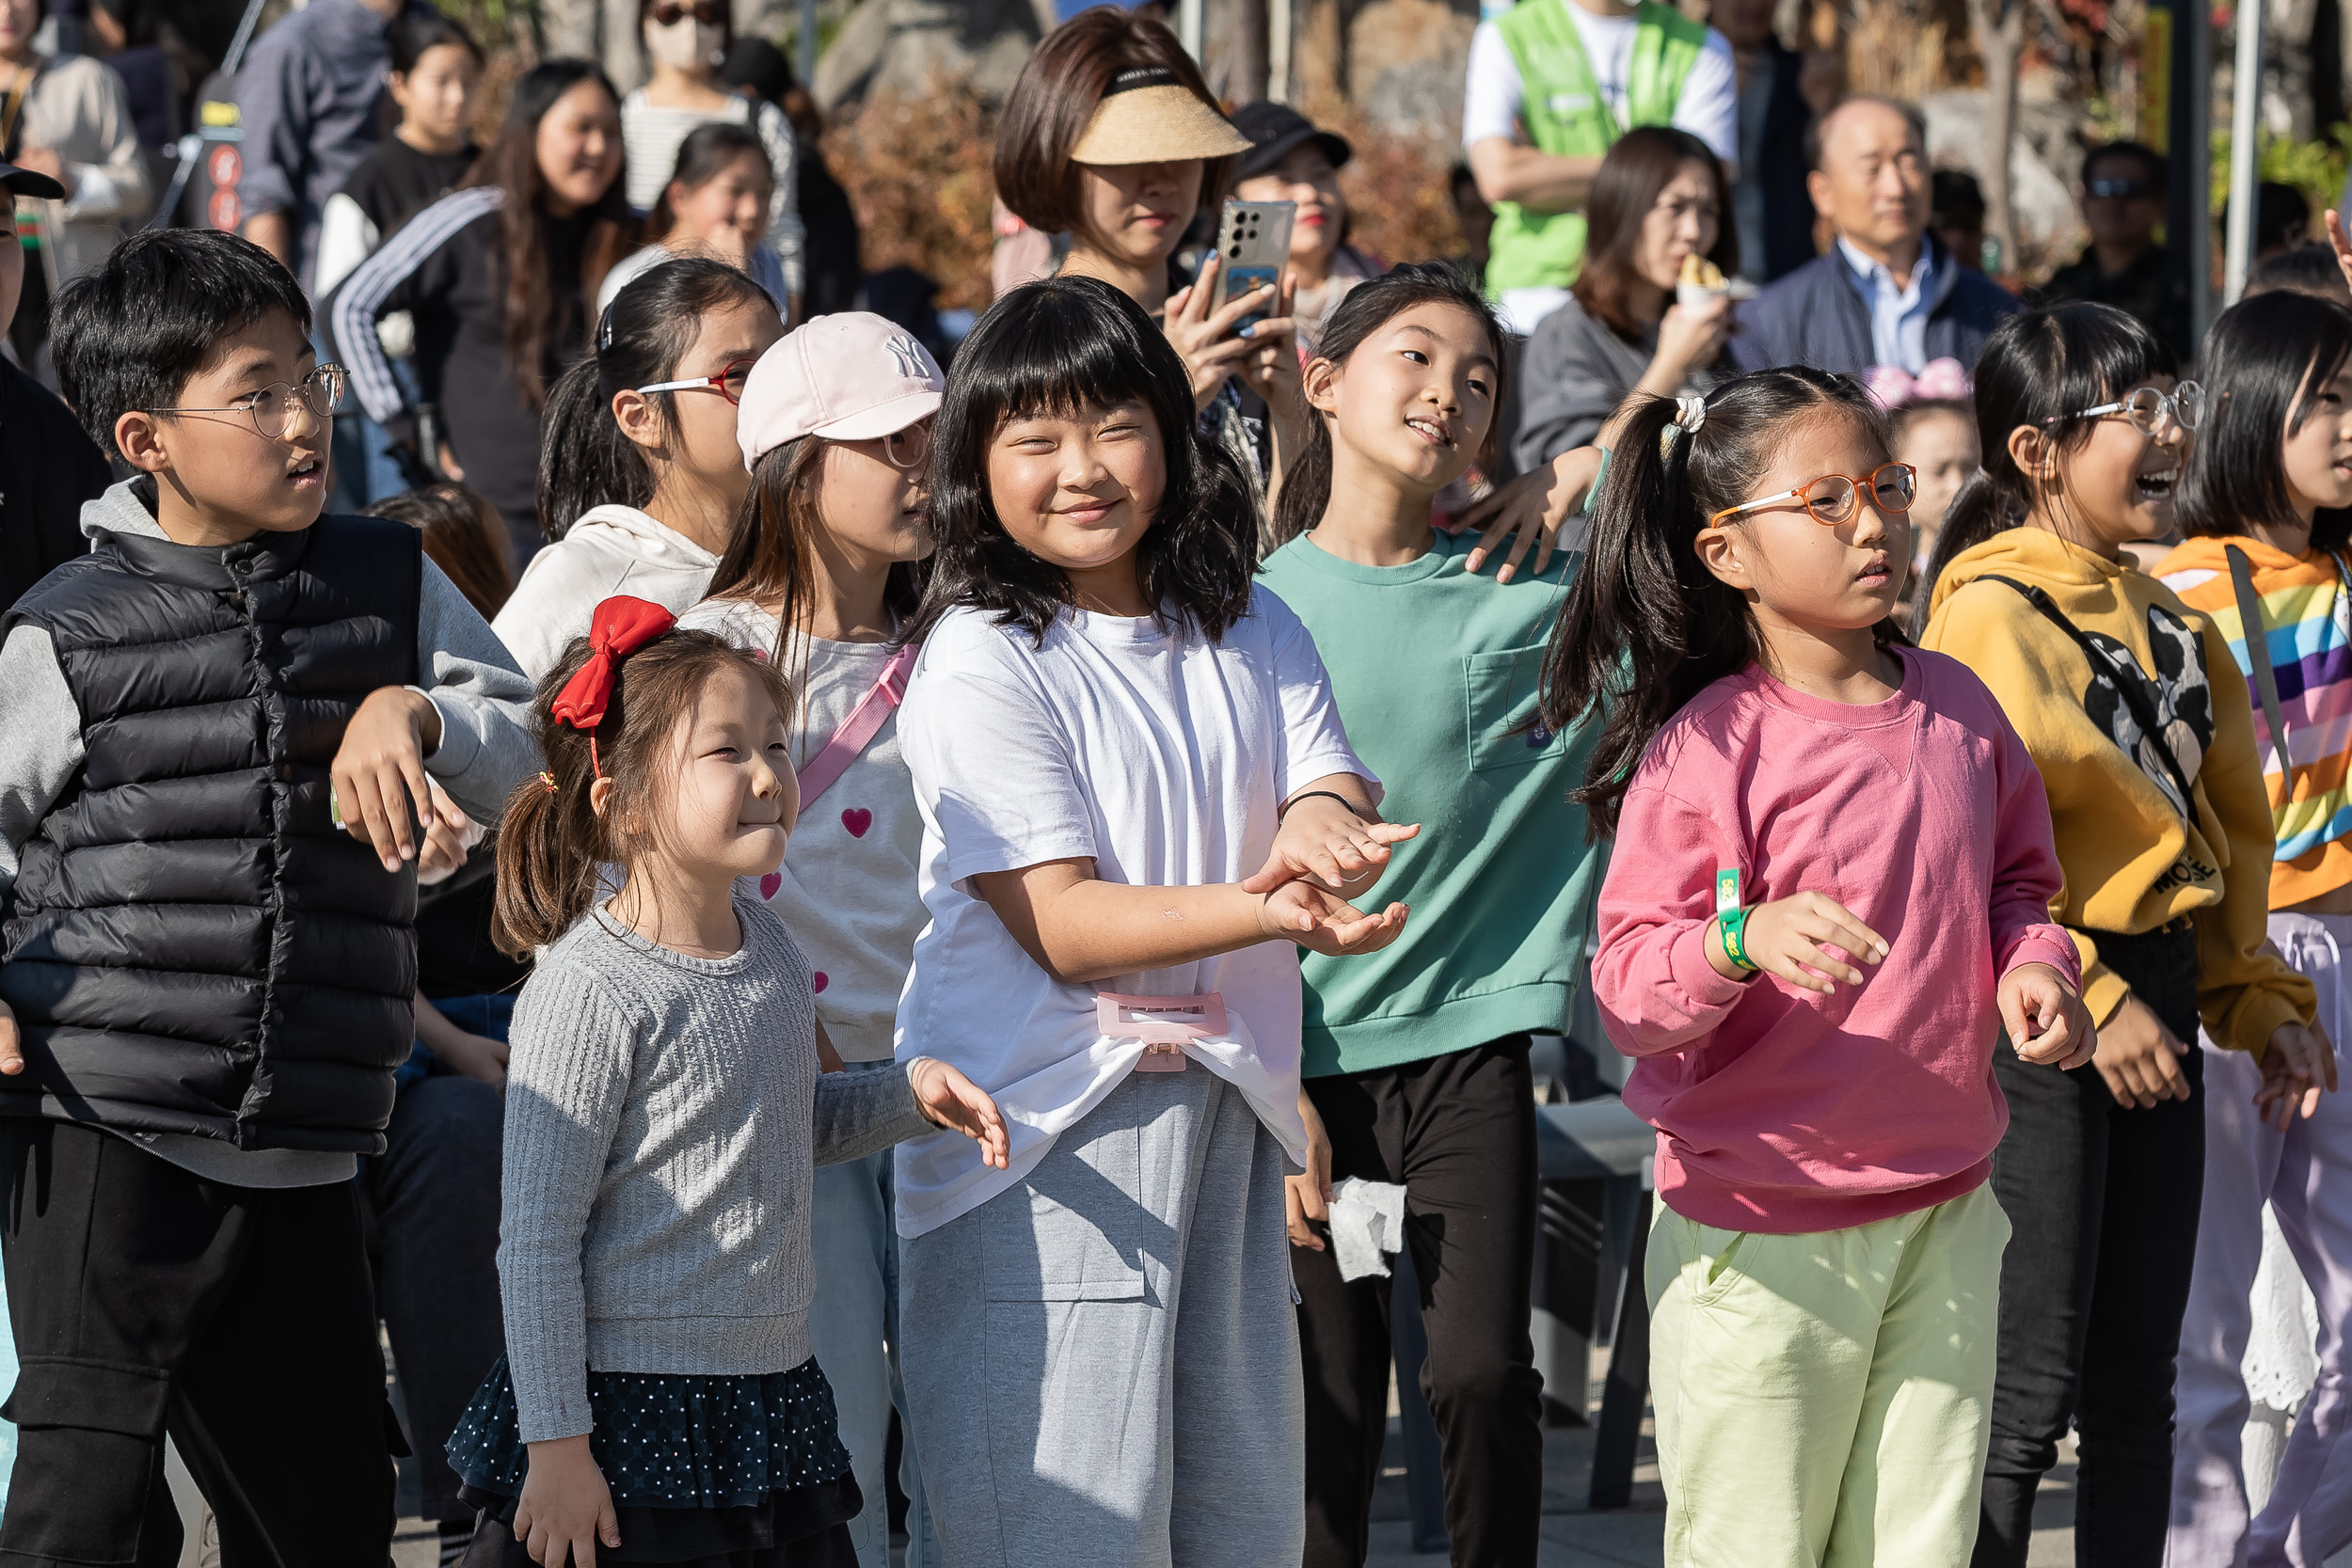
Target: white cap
[850, 378]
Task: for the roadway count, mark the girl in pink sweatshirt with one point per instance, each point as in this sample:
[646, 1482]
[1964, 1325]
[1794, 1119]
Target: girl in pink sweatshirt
[1829, 895]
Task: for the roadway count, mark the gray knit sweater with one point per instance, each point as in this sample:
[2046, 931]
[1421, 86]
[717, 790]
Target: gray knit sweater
[664, 1115]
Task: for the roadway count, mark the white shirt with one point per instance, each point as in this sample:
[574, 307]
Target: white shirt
[846, 889]
[1707, 106]
[1899, 317]
[1163, 757]
[610, 549]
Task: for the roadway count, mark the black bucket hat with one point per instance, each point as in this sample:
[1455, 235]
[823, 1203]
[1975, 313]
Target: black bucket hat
[1273, 129]
[24, 182]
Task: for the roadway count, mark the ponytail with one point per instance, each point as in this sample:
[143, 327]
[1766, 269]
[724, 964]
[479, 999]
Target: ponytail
[1305, 491]
[2040, 369]
[584, 458]
[1646, 627]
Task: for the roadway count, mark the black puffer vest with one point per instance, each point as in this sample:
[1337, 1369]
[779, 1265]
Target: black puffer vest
[192, 946]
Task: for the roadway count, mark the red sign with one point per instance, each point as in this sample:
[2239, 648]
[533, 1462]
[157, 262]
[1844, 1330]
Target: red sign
[224, 166]
[225, 211]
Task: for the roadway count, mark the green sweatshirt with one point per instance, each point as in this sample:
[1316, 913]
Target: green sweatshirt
[1434, 673]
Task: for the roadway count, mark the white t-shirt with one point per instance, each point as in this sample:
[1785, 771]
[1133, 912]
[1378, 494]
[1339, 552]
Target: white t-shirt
[1708, 107]
[846, 889]
[1163, 758]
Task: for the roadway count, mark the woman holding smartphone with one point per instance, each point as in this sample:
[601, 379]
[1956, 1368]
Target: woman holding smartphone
[1112, 138]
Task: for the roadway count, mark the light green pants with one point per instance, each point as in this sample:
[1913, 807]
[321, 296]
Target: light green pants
[1824, 1401]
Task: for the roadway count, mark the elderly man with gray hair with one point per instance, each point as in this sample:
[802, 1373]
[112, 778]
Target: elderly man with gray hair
[1887, 292]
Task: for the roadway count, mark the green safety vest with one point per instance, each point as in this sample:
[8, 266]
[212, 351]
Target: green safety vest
[1565, 116]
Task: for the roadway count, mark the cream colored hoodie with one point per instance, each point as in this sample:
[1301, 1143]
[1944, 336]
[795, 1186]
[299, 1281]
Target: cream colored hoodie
[610, 549]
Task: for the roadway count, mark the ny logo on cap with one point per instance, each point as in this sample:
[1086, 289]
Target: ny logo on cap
[913, 363]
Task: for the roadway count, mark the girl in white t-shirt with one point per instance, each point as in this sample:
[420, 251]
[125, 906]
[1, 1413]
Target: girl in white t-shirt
[1128, 766]
[834, 428]
[639, 475]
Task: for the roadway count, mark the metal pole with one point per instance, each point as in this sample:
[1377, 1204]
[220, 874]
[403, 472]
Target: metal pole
[1189, 26]
[2197, 90]
[808, 45]
[2244, 132]
[1277, 53]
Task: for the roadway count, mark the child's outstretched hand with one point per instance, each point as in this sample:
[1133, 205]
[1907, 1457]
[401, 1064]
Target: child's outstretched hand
[2046, 1022]
[1323, 839]
[1303, 914]
[565, 1508]
[950, 1100]
[2299, 1063]
[1792, 938]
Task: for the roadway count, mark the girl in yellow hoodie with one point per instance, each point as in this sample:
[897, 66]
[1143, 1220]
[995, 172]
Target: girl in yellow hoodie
[2264, 563]
[2165, 838]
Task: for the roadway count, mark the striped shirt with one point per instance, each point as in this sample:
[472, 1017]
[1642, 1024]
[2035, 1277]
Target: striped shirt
[652, 135]
[2307, 629]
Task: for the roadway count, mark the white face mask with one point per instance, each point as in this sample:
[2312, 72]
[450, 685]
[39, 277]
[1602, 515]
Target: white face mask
[685, 44]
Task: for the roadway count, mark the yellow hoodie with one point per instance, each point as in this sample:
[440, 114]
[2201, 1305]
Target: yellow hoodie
[2136, 856]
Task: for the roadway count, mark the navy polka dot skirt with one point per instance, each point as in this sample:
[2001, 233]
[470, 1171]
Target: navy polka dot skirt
[716, 1472]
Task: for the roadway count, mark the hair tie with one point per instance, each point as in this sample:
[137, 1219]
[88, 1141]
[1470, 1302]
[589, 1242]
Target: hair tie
[547, 779]
[1690, 415]
[621, 626]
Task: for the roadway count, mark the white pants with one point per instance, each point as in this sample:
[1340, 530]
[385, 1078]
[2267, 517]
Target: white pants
[2305, 1174]
[855, 1324]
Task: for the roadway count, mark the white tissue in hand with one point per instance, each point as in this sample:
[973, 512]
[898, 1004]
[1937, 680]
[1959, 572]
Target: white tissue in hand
[1367, 1219]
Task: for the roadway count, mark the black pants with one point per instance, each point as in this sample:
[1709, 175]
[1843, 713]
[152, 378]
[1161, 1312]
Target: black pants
[2102, 1202]
[239, 1319]
[1460, 1131]
[435, 1192]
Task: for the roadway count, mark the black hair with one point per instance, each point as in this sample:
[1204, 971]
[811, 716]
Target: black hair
[584, 459]
[2150, 162]
[705, 154]
[1060, 346]
[1955, 200]
[2307, 269]
[1460, 175]
[1365, 310]
[2041, 368]
[2282, 216]
[128, 333]
[416, 31]
[1646, 627]
[2265, 358]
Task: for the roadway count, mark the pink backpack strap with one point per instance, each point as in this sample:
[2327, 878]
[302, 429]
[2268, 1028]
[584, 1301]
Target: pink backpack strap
[858, 730]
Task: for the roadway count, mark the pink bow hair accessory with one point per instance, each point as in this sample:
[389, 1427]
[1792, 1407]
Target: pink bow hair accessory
[1942, 380]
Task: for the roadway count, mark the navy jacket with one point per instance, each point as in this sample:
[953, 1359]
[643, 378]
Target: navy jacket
[1815, 316]
[1788, 205]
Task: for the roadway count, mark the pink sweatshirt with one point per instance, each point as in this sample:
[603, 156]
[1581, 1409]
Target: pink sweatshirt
[1782, 1109]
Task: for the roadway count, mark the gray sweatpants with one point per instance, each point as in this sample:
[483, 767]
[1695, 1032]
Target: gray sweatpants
[1101, 1362]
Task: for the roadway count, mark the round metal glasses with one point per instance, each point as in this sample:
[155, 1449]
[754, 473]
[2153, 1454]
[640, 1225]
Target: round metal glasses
[272, 409]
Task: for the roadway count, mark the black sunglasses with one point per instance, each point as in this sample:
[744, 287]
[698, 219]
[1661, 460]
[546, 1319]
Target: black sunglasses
[2122, 190]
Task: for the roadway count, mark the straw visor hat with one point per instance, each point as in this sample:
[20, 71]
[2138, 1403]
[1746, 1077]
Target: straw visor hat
[1148, 117]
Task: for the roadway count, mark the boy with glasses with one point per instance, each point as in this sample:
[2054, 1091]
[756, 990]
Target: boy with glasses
[2123, 265]
[216, 732]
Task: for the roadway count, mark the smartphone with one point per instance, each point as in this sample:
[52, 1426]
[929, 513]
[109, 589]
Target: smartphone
[1253, 245]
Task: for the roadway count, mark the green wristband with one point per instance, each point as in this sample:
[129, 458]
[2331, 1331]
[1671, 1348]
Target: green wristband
[1735, 925]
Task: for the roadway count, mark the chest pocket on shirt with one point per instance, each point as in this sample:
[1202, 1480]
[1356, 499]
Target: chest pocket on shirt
[1075, 1230]
[1501, 702]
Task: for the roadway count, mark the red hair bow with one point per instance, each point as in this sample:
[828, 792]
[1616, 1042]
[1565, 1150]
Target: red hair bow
[622, 625]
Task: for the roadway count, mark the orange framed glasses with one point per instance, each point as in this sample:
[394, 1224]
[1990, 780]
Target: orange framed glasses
[1834, 498]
